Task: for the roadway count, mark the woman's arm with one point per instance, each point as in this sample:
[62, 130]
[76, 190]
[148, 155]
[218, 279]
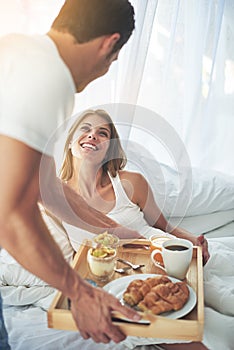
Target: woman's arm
[142, 195]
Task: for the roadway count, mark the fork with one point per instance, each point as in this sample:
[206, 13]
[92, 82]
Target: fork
[133, 266]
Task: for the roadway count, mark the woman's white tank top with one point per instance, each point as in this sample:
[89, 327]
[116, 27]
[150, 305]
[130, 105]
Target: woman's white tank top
[125, 212]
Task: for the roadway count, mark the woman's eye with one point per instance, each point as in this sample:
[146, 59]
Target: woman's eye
[103, 133]
[84, 128]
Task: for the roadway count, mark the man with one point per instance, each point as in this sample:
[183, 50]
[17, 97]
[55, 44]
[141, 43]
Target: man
[39, 77]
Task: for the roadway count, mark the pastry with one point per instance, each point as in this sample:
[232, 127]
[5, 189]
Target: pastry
[156, 295]
[137, 289]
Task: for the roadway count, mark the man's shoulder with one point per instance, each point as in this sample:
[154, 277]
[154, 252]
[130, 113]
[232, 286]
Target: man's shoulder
[34, 60]
[16, 47]
[18, 42]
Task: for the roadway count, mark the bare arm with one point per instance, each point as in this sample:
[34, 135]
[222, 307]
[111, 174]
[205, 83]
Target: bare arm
[23, 232]
[24, 235]
[143, 197]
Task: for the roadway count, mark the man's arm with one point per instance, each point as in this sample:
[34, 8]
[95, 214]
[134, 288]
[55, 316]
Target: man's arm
[22, 230]
[24, 235]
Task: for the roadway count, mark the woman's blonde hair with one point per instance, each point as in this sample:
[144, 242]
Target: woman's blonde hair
[115, 156]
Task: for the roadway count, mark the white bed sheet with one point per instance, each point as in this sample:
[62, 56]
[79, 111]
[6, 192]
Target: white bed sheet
[27, 325]
[199, 224]
[224, 231]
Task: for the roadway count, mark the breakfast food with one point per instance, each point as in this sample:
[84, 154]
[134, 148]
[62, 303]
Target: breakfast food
[101, 258]
[156, 294]
[101, 262]
[138, 288]
[102, 252]
[107, 240]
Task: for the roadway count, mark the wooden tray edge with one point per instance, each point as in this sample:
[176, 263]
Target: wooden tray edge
[192, 329]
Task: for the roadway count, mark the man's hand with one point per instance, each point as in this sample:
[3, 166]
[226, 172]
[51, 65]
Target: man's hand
[92, 313]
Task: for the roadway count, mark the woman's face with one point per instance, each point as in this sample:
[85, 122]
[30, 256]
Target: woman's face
[91, 140]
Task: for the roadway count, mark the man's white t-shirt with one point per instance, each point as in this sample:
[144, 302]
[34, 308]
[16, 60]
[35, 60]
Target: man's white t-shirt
[36, 90]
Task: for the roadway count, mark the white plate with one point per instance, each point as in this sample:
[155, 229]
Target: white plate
[118, 286]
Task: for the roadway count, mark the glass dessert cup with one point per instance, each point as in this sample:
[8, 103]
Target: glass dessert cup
[101, 268]
[101, 257]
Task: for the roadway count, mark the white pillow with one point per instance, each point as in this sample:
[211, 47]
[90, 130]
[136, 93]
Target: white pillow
[212, 191]
[187, 192]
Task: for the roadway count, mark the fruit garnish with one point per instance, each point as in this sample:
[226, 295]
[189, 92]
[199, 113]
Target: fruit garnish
[102, 252]
[107, 240]
[99, 253]
[110, 251]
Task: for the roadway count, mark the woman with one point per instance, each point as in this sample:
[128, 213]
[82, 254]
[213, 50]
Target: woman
[93, 166]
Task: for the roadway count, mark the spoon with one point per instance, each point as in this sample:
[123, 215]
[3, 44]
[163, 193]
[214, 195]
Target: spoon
[133, 266]
[123, 269]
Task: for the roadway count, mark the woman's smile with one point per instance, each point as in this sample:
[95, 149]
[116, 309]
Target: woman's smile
[89, 146]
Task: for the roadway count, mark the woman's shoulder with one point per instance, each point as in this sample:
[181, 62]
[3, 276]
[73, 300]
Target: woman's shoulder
[131, 176]
[134, 184]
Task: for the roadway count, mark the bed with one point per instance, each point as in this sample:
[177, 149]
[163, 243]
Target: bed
[210, 211]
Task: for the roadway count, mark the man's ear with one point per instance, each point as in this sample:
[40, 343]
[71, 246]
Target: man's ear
[109, 42]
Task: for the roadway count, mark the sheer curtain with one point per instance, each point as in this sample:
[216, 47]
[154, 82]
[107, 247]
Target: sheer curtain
[189, 77]
[122, 83]
[178, 65]
[118, 90]
[27, 16]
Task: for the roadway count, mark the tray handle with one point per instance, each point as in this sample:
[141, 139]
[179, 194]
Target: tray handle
[146, 319]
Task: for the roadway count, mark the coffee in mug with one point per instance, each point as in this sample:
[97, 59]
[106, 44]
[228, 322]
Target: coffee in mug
[176, 255]
[176, 247]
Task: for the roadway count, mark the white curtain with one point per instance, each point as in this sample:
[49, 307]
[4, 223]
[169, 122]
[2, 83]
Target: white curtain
[27, 16]
[122, 83]
[178, 65]
[189, 77]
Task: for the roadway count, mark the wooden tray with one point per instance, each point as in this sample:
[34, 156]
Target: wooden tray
[190, 327]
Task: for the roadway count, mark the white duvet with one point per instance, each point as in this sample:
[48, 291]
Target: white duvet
[25, 303]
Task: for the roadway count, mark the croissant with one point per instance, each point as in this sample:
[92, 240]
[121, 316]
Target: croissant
[133, 293]
[156, 295]
[137, 289]
[174, 293]
[153, 303]
[154, 281]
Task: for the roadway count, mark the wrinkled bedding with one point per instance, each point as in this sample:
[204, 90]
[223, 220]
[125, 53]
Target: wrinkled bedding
[25, 307]
[207, 223]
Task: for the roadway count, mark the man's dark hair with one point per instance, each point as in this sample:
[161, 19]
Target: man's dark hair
[89, 19]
